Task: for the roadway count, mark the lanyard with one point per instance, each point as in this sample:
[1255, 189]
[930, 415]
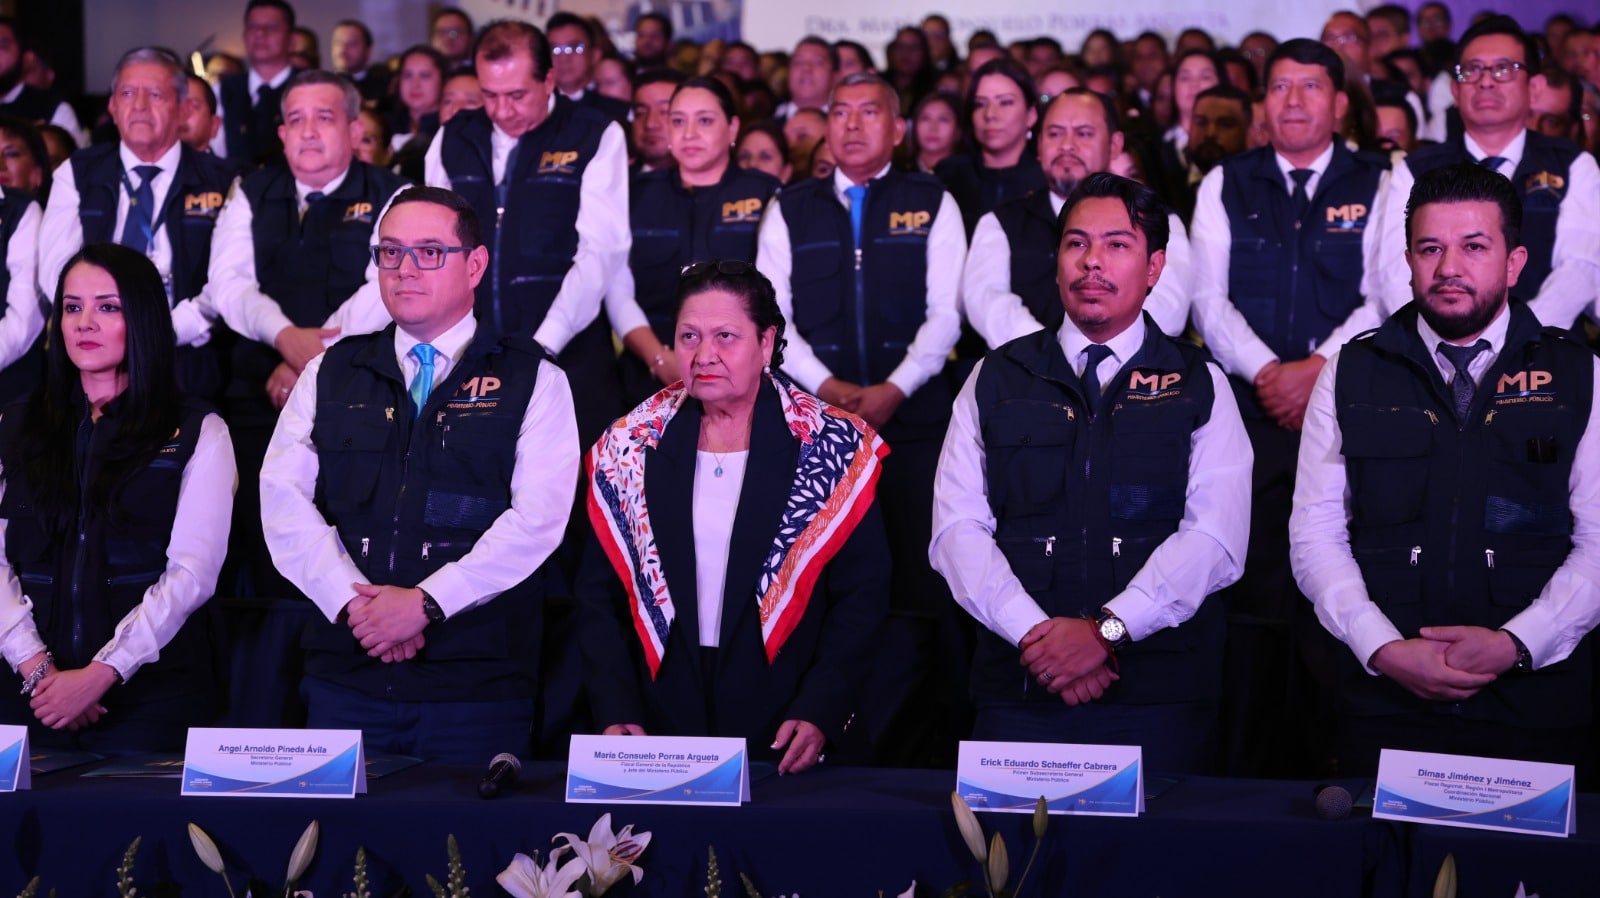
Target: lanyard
[149, 227]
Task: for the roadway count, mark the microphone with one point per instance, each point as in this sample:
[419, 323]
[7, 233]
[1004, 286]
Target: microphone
[1333, 802]
[503, 772]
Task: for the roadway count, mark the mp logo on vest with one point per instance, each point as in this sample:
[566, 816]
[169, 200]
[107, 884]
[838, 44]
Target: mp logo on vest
[1349, 217]
[742, 211]
[1523, 386]
[559, 162]
[202, 205]
[904, 223]
[1156, 385]
[361, 212]
[1545, 182]
[478, 388]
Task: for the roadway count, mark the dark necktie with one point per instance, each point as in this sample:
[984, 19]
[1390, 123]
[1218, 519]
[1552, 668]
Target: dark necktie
[1462, 386]
[311, 200]
[137, 228]
[1300, 200]
[1096, 354]
[1492, 163]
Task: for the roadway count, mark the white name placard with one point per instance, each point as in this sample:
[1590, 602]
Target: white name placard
[1480, 793]
[1106, 780]
[251, 763]
[657, 770]
[15, 770]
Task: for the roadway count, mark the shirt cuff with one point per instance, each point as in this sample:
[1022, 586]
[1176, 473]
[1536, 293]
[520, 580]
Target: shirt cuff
[552, 336]
[1538, 632]
[21, 646]
[270, 325]
[1252, 360]
[190, 324]
[1137, 612]
[1018, 616]
[448, 587]
[1368, 633]
[907, 378]
[117, 661]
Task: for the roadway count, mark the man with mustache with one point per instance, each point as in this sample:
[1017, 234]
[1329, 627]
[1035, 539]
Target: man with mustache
[1447, 518]
[291, 247]
[1499, 70]
[149, 192]
[1009, 286]
[1280, 237]
[1084, 526]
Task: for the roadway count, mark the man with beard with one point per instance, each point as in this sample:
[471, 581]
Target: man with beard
[1009, 286]
[1447, 519]
[1280, 235]
[1220, 128]
[1498, 72]
[1084, 527]
[22, 100]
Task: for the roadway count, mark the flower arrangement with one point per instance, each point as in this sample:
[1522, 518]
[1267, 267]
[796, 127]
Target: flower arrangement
[993, 859]
[598, 863]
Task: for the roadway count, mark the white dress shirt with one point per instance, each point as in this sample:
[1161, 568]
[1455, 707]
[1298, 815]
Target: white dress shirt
[253, 83]
[1000, 316]
[194, 559]
[929, 349]
[232, 282]
[62, 117]
[1219, 322]
[604, 233]
[1573, 285]
[1204, 555]
[1319, 531]
[25, 309]
[308, 551]
[61, 236]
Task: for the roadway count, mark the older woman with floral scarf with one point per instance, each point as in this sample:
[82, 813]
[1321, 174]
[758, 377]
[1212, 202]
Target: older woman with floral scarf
[748, 570]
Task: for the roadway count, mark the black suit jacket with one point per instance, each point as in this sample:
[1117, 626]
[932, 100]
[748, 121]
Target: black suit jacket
[817, 674]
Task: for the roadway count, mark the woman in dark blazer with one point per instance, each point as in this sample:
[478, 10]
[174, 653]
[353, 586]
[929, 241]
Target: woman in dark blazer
[748, 569]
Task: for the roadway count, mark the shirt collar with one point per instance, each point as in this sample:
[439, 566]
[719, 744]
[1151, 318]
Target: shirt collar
[500, 135]
[450, 344]
[1512, 153]
[842, 183]
[1495, 333]
[301, 188]
[1318, 165]
[168, 161]
[15, 92]
[254, 80]
[1122, 346]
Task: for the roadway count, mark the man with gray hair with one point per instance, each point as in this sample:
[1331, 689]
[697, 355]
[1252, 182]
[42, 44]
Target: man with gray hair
[866, 265]
[291, 247]
[149, 192]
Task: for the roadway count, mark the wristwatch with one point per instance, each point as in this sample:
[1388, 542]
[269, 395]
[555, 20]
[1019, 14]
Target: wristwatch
[431, 608]
[1524, 657]
[1113, 632]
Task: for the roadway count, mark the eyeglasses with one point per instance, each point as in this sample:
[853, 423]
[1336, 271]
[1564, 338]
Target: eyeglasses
[428, 257]
[568, 49]
[449, 32]
[1341, 38]
[1472, 72]
[732, 267]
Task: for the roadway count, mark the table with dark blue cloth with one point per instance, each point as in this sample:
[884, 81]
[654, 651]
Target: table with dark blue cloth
[829, 832]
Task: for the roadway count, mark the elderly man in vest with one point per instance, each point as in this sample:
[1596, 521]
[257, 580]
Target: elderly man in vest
[417, 479]
[1092, 492]
[1447, 513]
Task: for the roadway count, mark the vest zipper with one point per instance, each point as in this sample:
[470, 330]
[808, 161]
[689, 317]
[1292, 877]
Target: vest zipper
[1488, 558]
[76, 588]
[861, 321]
[494, 264]
[444, 431]
[1116, 547]
[366, 545]
[425, 548]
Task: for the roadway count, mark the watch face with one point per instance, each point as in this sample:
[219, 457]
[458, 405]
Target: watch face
[1112, 630]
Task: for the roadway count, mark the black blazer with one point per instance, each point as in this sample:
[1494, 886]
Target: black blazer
[817, 674]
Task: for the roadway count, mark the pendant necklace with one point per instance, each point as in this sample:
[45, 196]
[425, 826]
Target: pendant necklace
[717, 471]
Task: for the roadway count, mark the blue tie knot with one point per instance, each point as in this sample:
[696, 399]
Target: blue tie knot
[147, 173]
[858, 205]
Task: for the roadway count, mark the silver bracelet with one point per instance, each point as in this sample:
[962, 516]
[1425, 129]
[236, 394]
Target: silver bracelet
[38, 673]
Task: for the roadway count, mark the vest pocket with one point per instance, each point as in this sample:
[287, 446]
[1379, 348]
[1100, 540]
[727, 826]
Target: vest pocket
[1029, 448]
[1339, 266]
[350, 440]
[1517, 576]
[1387, 451]
[1393, 576]
[1032, 560]
[815, 306]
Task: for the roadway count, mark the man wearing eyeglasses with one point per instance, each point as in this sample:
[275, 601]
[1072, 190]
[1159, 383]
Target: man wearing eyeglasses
[417, 479]
[291, 247]
[1559, 185]
[573, 57]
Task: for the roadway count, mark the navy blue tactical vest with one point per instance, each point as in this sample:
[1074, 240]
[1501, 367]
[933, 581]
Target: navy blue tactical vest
[32, 105]
[533, 242]
[860, 313]
[409, 496]
[1464, 523]
[250, 125]
[1034, 235]
[1295, 281]
[193, 200]
[83, 582]
[978, 189]
[673, 226]
[1081, 504]
[1541, 180]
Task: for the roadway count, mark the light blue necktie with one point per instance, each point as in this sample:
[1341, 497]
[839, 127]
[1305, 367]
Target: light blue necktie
[422, 384]
[858, 204]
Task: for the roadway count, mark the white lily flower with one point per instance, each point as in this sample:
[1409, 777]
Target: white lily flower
[608, 856]
[910, 892]
[206, 849]
[524, 878]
